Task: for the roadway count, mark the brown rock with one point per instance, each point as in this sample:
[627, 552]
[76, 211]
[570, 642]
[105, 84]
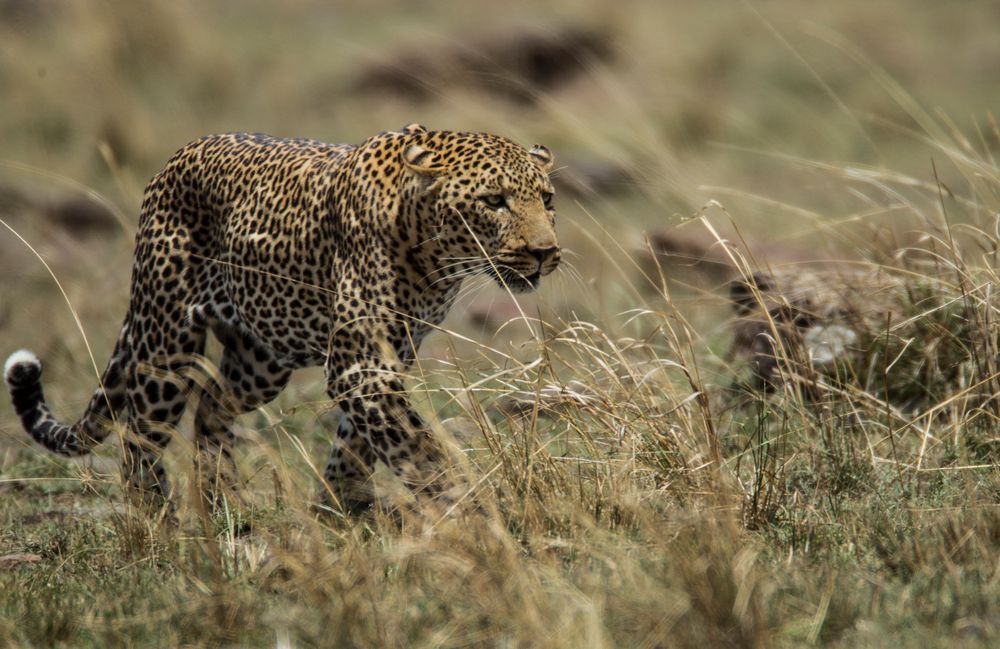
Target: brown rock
[492, 312]
[588, 177]
[514, 65]
[80, 215]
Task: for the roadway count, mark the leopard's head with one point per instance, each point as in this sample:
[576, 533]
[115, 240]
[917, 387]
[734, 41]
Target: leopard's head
[489, 206]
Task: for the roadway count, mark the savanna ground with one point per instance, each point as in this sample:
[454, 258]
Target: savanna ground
[627, 497]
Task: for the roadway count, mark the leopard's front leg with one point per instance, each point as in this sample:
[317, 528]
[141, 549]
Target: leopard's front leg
[369, 389]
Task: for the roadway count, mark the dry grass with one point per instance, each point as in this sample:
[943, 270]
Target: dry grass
[622, 496]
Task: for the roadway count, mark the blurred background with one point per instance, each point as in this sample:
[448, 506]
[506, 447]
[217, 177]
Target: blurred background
[634, 507]
[777, 121]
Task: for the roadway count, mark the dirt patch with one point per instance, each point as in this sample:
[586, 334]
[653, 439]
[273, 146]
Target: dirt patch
[9, 561]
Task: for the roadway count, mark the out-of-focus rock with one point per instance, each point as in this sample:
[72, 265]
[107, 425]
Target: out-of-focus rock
[81, 216]
[75, 213]
[13, 199]
[695, 249]
[492, 312]
[27, 12]
[514, 64]
[588, 177]
[689, 248]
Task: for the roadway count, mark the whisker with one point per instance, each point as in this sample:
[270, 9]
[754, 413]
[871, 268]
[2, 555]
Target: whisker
[575, 274]
[465, 272]
[493, 265]
[452, 265]
[471, 288]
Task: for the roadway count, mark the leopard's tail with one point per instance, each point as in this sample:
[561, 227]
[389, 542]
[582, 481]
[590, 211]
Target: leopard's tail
[23, 372]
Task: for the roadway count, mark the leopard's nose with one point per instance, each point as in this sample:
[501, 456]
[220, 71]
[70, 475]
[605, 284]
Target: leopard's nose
[544, 255]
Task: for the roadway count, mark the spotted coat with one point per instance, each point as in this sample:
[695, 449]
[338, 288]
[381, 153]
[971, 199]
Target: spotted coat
[295, 253]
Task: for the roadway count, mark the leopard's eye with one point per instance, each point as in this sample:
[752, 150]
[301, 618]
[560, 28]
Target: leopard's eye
[494, 201]
[547, 199]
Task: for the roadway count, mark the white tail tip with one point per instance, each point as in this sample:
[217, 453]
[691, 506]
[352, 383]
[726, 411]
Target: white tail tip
[20, 357]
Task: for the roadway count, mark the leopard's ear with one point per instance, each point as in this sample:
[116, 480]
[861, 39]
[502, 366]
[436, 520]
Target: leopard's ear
[743, 291]
[414, 129]
[422, 161]
[542, 157]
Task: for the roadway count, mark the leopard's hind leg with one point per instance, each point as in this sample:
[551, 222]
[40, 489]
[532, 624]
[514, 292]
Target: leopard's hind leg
[161, 341]
[349, 469]
[160, 353]
[250, 375]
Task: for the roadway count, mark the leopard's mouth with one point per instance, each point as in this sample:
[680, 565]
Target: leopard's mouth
[517, 282]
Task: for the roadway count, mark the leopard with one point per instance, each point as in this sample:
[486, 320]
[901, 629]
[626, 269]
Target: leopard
[810, 321]
[295, 253]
